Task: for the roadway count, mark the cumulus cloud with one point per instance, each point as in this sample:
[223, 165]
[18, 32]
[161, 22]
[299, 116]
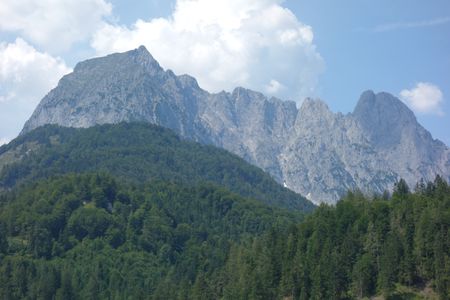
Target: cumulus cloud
[55, 25]
[424, 98]
[26, 75]
[274, 87]
[257, 44]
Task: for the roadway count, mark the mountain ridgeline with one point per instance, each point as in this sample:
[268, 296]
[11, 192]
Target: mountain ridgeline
[137, 153]
[314, 151]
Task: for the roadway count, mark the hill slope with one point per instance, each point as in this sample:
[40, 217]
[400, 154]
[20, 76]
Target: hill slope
[137, 152]
[92, 237]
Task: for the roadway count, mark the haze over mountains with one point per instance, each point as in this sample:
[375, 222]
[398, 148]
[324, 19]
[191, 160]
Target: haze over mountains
[314, 151]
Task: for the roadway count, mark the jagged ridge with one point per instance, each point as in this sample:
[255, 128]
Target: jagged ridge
[312, 150]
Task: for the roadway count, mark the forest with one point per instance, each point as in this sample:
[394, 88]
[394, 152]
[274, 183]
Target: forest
[91, 237]
[389, 246]
[104, 213]
[136, 153]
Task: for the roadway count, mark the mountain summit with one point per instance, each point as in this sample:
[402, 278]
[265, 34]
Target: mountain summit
[312, 150]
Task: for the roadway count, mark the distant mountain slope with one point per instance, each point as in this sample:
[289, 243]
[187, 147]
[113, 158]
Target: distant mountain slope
[137, 152]
[314, 151]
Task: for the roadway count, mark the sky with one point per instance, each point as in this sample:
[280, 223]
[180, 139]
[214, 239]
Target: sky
[292, 49]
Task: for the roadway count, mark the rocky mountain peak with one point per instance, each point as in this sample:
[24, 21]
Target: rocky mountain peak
[188, 81]
[247, 94]
[384, 117]
[142, 57]
[313, 112]
[366, 101]
[138, 59]
[313, 106]
[312, 150]
[382, 105]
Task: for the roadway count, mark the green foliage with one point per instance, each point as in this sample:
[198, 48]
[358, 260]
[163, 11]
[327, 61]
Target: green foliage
[89, 222]
[357, 249]
[139, 152]
[166, 241]
[363, 276]
[138, 242]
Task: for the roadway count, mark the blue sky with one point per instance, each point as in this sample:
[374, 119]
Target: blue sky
[290, 49]
[384, 46]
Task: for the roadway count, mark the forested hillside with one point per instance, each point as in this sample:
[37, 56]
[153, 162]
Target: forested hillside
[392, 247]
[137, 152]
[90, 237]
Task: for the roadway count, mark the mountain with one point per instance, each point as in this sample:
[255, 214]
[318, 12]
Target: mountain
[310, 149]
[137, 153]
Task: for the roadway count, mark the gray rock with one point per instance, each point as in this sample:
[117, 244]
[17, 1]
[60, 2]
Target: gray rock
[312, 150]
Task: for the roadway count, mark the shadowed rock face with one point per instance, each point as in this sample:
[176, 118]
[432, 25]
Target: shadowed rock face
[314, 151]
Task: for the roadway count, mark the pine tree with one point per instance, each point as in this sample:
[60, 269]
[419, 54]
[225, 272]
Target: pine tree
[363, 276]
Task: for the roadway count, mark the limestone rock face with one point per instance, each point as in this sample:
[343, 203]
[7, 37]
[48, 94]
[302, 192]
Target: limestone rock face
[314, 151]
[397, 137]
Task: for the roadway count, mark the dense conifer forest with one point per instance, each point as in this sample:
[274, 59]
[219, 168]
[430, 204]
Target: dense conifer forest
[89, 237]
[137, 152]
[123, 212]
[390, 246]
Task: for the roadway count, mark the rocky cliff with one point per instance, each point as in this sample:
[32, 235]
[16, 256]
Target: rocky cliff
[312, 150]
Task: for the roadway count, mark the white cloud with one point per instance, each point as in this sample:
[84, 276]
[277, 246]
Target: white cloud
[54, 25]
[408, 25]
[26, 75]
[227, 43]
[274, 87]
[424, 98]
